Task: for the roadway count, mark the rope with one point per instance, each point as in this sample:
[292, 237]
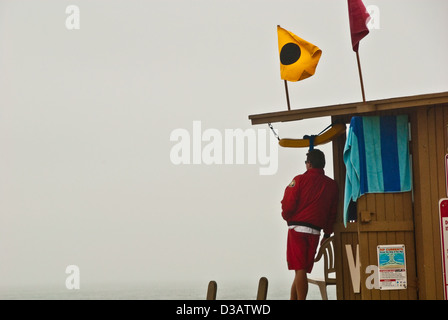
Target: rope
[309, 137]
[275, 133]
[312, 137]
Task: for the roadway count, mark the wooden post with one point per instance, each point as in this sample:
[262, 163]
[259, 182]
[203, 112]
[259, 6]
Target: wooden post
[360, 77]
[262, 289]
[211, 291]
[287, 95]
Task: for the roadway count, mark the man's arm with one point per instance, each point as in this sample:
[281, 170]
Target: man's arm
[289, 202]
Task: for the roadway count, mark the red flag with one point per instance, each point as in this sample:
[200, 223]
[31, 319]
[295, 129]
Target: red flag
[359, 17]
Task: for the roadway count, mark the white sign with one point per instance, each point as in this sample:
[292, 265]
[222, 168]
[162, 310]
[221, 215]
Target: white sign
[443, 213]
[392, 267]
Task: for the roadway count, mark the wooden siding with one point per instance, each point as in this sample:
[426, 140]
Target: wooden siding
[408, 218]
[429, 145]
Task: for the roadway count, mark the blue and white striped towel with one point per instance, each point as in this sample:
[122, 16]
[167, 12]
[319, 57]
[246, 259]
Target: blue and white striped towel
[376, 157]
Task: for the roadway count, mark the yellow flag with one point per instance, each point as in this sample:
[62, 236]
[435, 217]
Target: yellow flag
[298, 58]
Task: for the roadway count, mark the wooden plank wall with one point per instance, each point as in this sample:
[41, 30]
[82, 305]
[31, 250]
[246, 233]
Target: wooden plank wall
[344, 289]
[391, 223]
[429, 148]
[348, 235]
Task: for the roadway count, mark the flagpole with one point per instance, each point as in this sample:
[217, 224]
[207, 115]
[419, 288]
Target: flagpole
[360, 77]
[287, 95]
[286, 88]
[358, 18]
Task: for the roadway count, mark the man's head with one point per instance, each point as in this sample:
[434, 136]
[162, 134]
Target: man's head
[315, 159]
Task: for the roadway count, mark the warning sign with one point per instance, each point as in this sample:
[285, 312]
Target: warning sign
[443, 213]
[392, 267]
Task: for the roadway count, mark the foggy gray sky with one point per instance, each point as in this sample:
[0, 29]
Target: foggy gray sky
[86, 116]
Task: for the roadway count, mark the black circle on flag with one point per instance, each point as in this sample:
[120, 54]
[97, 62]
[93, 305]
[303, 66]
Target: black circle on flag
[290, 53]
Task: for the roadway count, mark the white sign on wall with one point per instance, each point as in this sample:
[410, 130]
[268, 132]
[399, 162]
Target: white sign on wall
[443, 214]
[392, 267]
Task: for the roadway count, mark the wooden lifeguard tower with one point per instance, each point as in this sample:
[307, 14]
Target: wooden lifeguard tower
[408, 218]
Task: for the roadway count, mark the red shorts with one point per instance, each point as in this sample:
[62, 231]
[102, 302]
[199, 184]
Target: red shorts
[301, 249]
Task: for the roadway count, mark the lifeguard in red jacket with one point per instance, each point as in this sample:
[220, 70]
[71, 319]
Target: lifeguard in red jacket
[308, 206]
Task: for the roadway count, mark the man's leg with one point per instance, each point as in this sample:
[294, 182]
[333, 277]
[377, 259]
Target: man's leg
[299, 287]
[293, 290]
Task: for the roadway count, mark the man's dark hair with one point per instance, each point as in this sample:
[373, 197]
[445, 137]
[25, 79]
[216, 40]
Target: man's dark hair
[316, 158]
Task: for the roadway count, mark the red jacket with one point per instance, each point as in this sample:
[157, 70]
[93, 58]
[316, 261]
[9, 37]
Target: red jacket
[311, 199]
